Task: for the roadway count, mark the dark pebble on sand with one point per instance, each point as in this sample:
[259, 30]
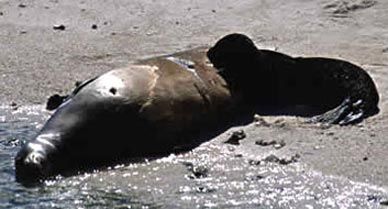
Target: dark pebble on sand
[1, 13]
[13, 104]
[197, 171]
[262, 142]
[365, 158]
[384, 203]
[59, 27]
[385, 50]
[236, 137]
[22, 5]
[94, 26]
[254, 177]
[213, 10]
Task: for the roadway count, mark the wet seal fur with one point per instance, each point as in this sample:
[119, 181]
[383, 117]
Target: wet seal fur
[333, 90]
[154, 107]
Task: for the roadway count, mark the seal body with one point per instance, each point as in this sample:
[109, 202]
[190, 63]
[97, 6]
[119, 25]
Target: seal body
[147, 109]
[331, 90]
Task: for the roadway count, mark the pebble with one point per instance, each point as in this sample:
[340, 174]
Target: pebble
[384, 203]
[236, 137]
[262, 142]
[94, 26]
[22, 5]
[59, 27]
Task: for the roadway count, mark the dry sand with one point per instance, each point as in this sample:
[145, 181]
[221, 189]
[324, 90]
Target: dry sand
[37, 61]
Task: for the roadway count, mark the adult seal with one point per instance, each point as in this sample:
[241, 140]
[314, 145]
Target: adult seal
[150, 108]
[333, 90]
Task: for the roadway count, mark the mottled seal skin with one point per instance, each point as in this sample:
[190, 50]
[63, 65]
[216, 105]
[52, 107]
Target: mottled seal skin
[147, 109]
[336, 91]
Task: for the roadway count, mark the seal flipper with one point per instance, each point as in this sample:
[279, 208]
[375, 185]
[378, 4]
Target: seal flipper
[346, 113]
[56, 100]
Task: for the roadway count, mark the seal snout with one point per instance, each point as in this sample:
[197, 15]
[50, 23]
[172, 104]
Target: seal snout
[31, 165]
[29, 168]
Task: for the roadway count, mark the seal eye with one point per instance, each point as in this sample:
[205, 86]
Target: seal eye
[113, 90]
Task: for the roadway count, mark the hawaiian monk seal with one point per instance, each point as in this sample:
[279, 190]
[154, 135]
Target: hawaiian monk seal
[146, 109]
[337, 91]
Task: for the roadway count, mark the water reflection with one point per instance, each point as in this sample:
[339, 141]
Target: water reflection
[210, 176]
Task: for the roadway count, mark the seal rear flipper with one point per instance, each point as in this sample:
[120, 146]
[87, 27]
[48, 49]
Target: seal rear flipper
[346, 113]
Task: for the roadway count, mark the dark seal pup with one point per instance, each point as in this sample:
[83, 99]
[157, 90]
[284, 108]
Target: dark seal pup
[149, 108]
[337, 91]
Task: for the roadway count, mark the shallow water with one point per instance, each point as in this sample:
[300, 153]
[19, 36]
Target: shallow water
[210, 176]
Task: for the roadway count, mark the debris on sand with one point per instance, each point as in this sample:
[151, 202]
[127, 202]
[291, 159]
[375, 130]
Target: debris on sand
[236, 137]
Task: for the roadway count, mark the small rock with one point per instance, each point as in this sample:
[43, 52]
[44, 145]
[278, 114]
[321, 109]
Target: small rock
[13, 104]
[283, 161]
[1, 13]
[385, 50]
[176, 23]
[213, 10]
[254, 162]
[23, 32]
[94, 26]
[105, 23]
[22, 5]
[254, 177]
[272, 159]
[279, 145]
[113, 33]
[59, 27]
[198, 171]
[259, 121]
[238, 155]
[236, 137]
[365, 158]
[292, 159]
[262, 142]
[14, 142]
[384, 202]
[203, 189]
[135, 27]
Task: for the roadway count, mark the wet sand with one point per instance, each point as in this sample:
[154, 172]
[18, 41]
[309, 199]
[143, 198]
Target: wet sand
[37, 61]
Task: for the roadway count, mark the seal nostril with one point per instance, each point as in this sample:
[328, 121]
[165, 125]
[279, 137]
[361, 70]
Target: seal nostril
[113, 90]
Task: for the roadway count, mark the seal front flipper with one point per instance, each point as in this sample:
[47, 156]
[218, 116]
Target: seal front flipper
[56, 100]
